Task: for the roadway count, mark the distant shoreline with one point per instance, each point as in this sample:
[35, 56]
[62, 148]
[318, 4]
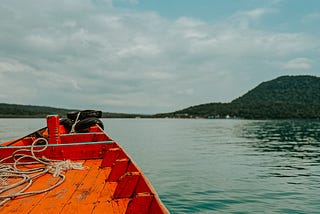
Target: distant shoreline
[286, 97]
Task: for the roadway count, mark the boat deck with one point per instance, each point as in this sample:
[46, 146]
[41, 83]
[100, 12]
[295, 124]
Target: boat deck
[83, 191]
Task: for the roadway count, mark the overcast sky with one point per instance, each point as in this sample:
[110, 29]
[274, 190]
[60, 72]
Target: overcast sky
[150, 56]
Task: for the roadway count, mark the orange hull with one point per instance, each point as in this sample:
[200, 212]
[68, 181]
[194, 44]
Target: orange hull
[109, 183]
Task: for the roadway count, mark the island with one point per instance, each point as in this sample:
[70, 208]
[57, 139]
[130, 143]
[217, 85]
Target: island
[286, 97]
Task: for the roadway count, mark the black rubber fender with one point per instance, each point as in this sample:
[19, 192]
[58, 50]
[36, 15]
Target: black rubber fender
[86, 123]
[67, 123]
[84, 114]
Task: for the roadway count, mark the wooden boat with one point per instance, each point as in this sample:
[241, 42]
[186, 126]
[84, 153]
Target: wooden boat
[58, 170]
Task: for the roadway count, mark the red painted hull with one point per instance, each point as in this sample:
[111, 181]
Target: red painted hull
[110, 183]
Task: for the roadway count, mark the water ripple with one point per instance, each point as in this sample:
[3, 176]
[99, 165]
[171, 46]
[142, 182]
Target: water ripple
[221, 166]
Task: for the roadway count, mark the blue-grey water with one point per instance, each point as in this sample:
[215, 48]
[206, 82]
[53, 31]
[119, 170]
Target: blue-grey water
[218, 166]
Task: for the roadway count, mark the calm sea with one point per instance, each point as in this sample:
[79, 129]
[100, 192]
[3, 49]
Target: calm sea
[218, 166]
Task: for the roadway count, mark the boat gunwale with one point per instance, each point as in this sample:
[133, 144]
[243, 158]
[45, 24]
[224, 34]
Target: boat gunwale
[61, 144]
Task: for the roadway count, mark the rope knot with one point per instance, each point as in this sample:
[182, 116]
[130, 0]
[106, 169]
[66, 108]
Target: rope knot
[55, 168]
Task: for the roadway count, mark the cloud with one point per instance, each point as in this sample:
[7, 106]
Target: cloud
[129, 1]
[257, 13]
[298, 63]
[9, 65]
[90, 54]
[312, 17]
[247, 18]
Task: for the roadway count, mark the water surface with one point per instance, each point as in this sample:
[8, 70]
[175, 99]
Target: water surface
[218, 166]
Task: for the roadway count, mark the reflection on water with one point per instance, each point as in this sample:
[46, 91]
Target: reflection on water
[287, 152]
[292, 146]
[289, 138]
[283, 130]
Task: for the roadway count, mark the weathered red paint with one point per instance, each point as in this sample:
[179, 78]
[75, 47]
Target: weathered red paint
[111, 183]
[53, 123]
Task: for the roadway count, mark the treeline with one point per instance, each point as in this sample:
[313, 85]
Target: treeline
[30, 111]
[254, 111]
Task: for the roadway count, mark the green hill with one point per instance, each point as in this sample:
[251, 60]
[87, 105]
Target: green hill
[285, 97]
[15, 110]
[30, 111]
[285, 89]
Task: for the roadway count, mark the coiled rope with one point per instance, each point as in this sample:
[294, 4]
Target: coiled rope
[14, 181]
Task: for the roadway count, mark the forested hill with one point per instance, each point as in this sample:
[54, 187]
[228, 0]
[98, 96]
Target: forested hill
[285, 89]
[286, 97]
[29, 111]
[15, 110]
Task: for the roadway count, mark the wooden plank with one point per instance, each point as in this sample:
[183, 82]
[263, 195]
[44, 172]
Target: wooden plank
[86, 195]
[118, 206]
[81, 191]
[84, 137]
[9, 182]
[121, 205]
[107, 192]
[118, 169]
[24, 203]
[110, 157]
[76, 151]
[157, 208]
[57, 198]
[140, 204]
[127, 185]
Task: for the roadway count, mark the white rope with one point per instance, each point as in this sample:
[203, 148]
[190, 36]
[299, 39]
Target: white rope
[75, 123]
[19, 180]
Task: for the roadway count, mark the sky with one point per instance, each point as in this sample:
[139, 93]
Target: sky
[151, 56]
